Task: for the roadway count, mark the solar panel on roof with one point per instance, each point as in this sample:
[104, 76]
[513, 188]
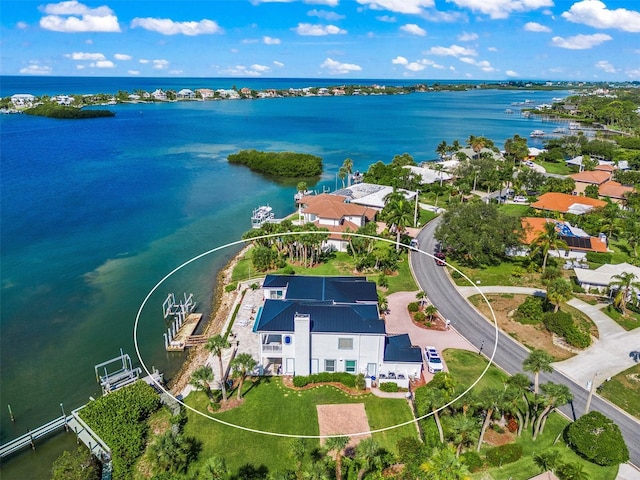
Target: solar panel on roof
[577, 242]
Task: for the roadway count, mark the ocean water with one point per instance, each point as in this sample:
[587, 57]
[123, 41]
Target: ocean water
[95, 212]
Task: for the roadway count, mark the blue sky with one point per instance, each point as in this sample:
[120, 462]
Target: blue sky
[414, 39]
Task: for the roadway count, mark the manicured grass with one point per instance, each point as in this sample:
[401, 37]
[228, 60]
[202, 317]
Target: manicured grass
[507, 273]
[425, 216]
[402, 280]
[270, 406]
[526, 466]
[515, 210]
[466, 367]
[624, 391]
[560, 168]
[629, 322]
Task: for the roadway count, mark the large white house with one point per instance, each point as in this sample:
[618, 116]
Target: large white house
[329, 324]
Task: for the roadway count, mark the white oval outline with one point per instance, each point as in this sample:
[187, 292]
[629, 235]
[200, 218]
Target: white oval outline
[292, 435]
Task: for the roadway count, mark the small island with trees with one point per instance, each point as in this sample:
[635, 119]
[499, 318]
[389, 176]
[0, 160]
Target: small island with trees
[279, 164]
[63, 112]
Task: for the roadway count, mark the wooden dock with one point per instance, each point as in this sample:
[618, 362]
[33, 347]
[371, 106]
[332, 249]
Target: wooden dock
[184, 333]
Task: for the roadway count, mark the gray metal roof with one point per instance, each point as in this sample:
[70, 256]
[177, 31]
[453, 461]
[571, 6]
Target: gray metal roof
[337, 289]
[398, 348]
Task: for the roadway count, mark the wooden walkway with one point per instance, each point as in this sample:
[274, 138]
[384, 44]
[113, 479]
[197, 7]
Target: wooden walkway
[28, 439]
[180, 342]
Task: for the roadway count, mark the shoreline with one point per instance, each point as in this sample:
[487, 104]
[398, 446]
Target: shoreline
[220, 309]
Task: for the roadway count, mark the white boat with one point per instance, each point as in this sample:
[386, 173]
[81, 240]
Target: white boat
[537, 133]
[261, 215]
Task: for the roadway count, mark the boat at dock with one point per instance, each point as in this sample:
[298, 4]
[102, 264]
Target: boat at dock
[537, 134]
[261, 215]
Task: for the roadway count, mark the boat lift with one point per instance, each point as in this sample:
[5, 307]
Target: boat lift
[125, 375]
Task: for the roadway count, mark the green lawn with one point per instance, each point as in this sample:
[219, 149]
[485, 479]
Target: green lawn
[515, 209]
[466, 367]
[631, 321]
[624, 390]
[560, 168]
[507, 273]
[270, 406]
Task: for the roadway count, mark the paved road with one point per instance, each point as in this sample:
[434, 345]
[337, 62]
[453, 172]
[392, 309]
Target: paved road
[506, 353]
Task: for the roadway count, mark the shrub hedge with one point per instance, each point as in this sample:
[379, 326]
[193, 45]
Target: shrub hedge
[598, 439]
[472, 460]
[389, 387]
[599, 257]
[531, 311]
[345, 378]
[413, 307]
[561, 323]
[504, 454]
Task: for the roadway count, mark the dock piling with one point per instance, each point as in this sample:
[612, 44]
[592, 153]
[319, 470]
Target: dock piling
[11, 413]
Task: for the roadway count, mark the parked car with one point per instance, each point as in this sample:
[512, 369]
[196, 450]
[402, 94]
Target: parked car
[434, 362]
[519, 199]
[440, 258]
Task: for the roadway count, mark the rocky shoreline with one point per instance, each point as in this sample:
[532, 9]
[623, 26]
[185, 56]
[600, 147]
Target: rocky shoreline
[220, 311]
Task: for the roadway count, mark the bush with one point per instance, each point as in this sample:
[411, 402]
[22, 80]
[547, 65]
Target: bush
[413, 307]
[389, 387]
[288, 270]
[561, 323]
[598, 439]
[472, 460]
[577, 338]
[344, 378]
[504, 454]
[231, 287]
[419, 317]
[599, 257]
[361, 384]
[383, 281]
[531, 311]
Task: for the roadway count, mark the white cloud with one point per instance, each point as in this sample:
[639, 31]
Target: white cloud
[580, 42]
[595, 14]
[536, 27]
[166, 26]
[386, 18]
[160, 64]
[482, 64]
[502, 8]
[335, 67]
[492, 49]
[467, 37]
[249, 41]
[80, 67]
[469, 60]
[278, 64]
[35, 69]
[244, 71]
[511, 73]
[175, 72]
[325, 15]
[400, 60]
[307, 29]
[85, 56]
[413, 29]
[122, 56]
[270, 40]
[330, 3]
[606, 66]
[260, 68]
[399, 6]
[22, 25]
[453, 51]
[73, 17]
[102, 64]
[633, 73]
[143, 60]
[415, 66]
[133, 72]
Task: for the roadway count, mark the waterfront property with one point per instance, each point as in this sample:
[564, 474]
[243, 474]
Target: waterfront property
[565, 203]
[329, 324]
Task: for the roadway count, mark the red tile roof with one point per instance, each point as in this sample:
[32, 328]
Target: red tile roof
[560, 202]
[613, 189]
[534, 226]
[334, 207]
[594, 177]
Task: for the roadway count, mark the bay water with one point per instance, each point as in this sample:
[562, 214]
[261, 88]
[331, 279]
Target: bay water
[95, 212]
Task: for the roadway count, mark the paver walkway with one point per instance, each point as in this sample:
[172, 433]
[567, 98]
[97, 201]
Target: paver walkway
[606, 357]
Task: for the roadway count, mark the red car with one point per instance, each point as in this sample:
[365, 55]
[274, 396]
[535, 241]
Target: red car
[440, 258]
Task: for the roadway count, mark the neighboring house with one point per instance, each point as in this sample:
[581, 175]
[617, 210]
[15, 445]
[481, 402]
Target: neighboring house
[429, 176]
[206, 93]
[534, 152]
[586, 178]
[615, 191]
[578, 241]
[565, 203]
[159, 95]
[471, 154]
[329, 324]
[186, 94]
[64, 100]
[22, 100]
[601, 177]
[600, 278]
[337, 214]
[372, 195]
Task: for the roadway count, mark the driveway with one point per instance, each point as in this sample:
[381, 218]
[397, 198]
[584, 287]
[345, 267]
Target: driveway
[399, 321]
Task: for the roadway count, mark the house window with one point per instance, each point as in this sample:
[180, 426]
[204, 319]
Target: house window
[345, 344]
[329, 365]
[350, 366]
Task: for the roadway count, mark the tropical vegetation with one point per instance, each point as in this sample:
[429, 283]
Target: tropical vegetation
[279, 164]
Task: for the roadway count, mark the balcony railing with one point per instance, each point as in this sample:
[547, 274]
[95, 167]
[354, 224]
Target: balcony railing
[272, 347]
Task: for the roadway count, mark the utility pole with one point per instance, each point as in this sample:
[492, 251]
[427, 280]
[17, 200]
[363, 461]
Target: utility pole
[415, 213]
[591, 386]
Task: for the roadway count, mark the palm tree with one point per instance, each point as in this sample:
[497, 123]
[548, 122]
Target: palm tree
[342, 174]
[216, 346]
[297, 450]
[556, 395]
[337, 445]
[549, 239]
[573, 471]
[492, 399]
[421, 296]
[215, 468]
[348, 166]
[200, 379]
[624, 283]
[434, 399]
[172, 453]
[547, 460]
[442, 149]
[369, 457]
[518, 384]
[444, 465]
[463, 431]
[559, 290]
[537, 361]
[430, 311]
[398, 213]
[242, 365]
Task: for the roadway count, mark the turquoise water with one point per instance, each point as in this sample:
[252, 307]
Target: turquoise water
[95, 212]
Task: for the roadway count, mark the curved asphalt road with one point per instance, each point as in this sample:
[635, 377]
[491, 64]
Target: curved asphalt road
[509, 354]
